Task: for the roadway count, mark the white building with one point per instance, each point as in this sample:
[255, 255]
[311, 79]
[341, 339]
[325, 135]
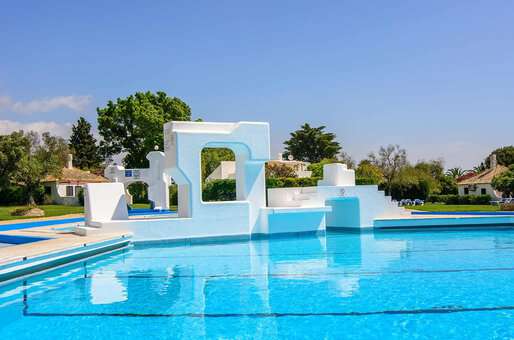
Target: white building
[65, 189]
[227, 169]
[480, 184]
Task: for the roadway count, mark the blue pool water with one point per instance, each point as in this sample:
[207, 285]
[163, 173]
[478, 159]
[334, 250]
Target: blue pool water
[10, 240]
[390, 285]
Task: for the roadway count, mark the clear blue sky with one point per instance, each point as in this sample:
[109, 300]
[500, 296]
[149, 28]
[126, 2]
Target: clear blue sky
[436, 77]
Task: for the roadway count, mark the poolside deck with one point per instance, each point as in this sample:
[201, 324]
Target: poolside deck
[62, 246]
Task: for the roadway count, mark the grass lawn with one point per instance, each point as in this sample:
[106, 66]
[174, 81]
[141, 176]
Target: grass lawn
[452, 208]
[50, 210]
[140, 206]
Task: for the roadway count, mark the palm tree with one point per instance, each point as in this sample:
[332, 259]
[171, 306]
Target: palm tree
[479, 168]
[456, 172]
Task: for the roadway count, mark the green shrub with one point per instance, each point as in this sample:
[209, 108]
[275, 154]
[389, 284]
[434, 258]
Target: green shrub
[12, 195]
[219, 190]
[367, 173]
[412, 190]
[365, 181]
[456, 199]
[17, 195]
[287, 182]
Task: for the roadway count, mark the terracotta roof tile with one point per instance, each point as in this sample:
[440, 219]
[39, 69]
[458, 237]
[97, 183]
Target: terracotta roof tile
[75, 175]
[485, 177]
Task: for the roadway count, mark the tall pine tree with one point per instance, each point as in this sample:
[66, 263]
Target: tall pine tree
[312, 144]
[83, 145]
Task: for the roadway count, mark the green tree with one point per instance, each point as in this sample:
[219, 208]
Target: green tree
[135, 124]
[345, 158]
[433, 168]
[12, 149]
[421, 180]
[479, 168]
[41, 158]
[390, 160]
[368, 173]
[83, 146]
[448, 185]
[504, 156]
[412, 182]
[504, 182]
[312, 144]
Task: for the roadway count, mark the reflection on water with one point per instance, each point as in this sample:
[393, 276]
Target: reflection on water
[107, 288]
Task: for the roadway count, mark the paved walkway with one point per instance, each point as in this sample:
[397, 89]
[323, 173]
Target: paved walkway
[57, 241]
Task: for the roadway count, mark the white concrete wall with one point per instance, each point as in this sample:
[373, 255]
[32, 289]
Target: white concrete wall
[155, 176]
[226, 170]
[58, 193]
[477, 190]
[104, 202]
[373, 203]
[337, 174]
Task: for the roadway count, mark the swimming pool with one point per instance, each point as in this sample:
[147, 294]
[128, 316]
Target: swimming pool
[401, 285]
[11, 240]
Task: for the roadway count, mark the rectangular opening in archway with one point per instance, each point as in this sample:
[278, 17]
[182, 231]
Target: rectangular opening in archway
[218, 174]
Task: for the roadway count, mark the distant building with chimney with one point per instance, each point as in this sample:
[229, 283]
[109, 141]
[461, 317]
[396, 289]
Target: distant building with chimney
[480, 184]
[65, 189]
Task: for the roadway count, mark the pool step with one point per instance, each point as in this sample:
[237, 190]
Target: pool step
[86, 231]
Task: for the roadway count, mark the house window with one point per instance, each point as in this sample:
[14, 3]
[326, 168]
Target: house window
[69, 191]
[483, 191]
[466, 191]
[48, 190]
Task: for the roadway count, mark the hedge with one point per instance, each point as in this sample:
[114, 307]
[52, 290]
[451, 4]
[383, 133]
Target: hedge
[288, 182]
[456, 199]
[219, 190]
[17, 195]
[365, 181]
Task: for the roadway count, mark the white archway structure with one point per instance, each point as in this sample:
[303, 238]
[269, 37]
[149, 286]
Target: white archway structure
[183, 143]
[158, 182]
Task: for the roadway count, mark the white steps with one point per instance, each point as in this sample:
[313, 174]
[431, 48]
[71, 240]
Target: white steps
[86, 231]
